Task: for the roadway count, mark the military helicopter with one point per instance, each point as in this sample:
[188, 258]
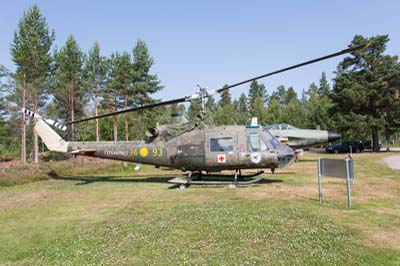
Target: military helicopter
[198, 148]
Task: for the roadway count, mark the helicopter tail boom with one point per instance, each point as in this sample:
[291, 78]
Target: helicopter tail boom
[50, 138]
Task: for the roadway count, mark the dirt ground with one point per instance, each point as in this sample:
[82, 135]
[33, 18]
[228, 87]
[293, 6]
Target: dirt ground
[393, 161]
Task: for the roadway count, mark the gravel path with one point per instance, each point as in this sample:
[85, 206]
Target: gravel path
[393, 161]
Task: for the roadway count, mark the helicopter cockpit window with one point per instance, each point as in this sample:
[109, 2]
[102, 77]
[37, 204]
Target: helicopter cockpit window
[274, 142]
[255, 143]
[221, 144]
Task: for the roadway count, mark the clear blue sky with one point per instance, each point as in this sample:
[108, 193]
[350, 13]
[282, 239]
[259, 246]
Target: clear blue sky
[215, 42]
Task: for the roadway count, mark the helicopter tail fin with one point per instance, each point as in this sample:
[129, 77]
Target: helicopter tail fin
[50, 138]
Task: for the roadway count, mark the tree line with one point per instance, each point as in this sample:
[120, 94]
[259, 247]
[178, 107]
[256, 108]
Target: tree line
[67, 83]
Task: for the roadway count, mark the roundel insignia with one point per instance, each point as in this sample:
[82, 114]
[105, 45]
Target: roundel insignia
[143, 152]
[255, 157]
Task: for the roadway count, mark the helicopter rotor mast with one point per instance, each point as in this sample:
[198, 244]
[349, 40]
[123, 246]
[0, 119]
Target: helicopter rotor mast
[204, 93]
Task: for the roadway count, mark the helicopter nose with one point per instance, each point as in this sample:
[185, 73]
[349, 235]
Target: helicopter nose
[286, 155]
[332, 136]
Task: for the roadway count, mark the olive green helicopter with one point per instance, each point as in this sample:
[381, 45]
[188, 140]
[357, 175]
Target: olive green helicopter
[197, 148]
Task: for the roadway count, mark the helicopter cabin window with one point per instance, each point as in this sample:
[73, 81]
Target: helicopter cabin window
[255, 143]
[221, 144]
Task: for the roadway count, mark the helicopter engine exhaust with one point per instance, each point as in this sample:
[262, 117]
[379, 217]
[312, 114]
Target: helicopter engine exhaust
[152, 132]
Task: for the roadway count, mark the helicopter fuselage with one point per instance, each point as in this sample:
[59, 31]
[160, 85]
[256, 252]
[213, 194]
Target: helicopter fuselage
[209, 149]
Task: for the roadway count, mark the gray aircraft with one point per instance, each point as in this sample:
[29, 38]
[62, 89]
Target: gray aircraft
[301, 138]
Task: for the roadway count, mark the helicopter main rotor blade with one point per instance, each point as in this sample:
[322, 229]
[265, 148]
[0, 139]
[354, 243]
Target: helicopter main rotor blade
[345, 51]
[133, 109]
[200, 95]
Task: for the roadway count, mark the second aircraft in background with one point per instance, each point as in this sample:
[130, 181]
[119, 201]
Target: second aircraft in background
[298, 138]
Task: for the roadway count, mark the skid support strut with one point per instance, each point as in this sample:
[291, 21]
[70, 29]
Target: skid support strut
[235, 179]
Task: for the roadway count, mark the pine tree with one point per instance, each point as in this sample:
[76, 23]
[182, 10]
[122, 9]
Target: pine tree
[95, 71]
[9, 113]
[292, 114]
[30, 51]
[193, 110]
[318, 105]
[118, 89]
[3, 90]
[324, 88]
[211, 108]
[242, 113]
[257, 110]
[4, 126]
[274, 111]
[312, 90]
[291, 95]
[226, 98]
[68, 92]
[280, 95]
[303, 97]
[257, 99]
[211, 104]
[225, 114]
[144, 83]
[257, 90]
[365, 87]
[317, 112]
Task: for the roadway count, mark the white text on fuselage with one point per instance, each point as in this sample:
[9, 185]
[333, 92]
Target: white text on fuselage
[115, 153]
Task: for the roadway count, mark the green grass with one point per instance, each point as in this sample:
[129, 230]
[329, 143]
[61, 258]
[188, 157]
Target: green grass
[101, 214]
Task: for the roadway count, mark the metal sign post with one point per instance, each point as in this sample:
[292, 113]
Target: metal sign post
[348, 183]
[336, 168]
[319, 181]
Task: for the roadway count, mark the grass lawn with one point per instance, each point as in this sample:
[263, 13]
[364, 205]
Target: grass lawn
[100, 213]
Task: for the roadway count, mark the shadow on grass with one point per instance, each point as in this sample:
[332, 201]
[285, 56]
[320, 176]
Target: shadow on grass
[307, 161]
[282, 173]
[84, 180]
[306, 197]
[269, 180]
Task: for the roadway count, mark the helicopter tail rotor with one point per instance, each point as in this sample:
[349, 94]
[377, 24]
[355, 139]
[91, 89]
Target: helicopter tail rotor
[48, 121]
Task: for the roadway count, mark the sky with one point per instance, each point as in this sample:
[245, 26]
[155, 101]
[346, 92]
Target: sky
[213, 43]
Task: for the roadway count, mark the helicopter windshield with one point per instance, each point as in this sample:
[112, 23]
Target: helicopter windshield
[274, 142]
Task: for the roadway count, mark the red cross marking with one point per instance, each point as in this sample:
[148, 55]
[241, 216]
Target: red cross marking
[221, 158]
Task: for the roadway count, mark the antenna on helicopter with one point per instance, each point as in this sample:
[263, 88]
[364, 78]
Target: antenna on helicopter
[202, 94]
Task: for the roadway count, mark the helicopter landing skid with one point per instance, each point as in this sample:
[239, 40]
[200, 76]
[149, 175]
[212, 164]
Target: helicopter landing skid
[237, 180]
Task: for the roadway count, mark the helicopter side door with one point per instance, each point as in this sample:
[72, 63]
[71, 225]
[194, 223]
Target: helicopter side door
[221, 150]
[255, 150]
[190, 151]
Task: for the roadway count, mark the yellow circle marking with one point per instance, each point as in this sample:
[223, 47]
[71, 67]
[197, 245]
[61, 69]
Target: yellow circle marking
[144, 152]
